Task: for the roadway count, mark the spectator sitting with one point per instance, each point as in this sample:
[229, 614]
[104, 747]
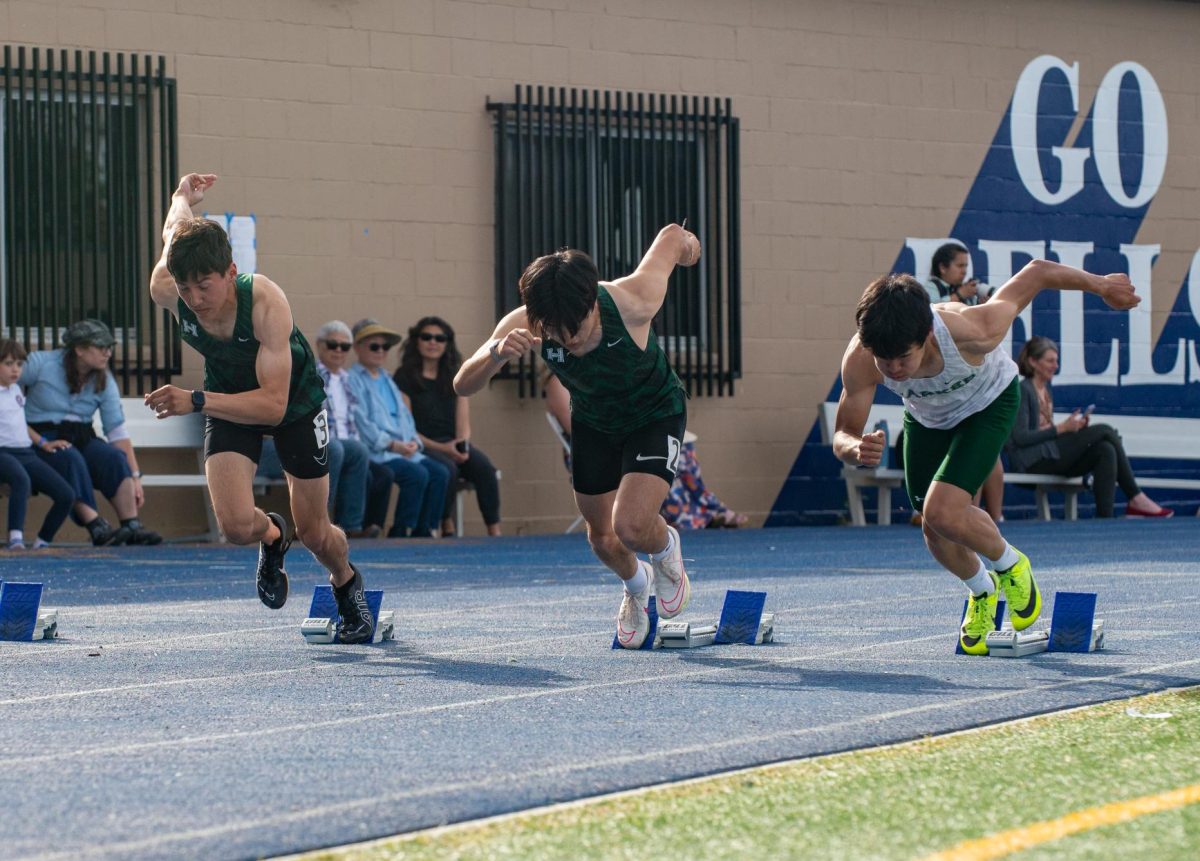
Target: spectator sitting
[64, 389]
[20, 467]
[386, 426]
[358, 480]
[428, 362]
[1074, 446]
[689, 503]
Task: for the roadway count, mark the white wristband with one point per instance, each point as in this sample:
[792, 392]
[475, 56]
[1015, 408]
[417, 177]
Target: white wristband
[496, 357]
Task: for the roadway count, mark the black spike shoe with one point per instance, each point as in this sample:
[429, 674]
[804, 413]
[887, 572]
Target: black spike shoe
[272, 579]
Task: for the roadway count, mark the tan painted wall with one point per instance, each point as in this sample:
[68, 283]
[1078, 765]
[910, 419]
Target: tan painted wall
[356, 132]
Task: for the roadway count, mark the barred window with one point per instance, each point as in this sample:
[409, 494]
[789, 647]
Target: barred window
[88, 149]
[604, 172]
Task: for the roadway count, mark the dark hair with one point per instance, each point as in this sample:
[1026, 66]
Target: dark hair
[944, 256]
[893, 316]
[10, 349]
[408, 376]
[76, 378]
[199, 247]
[1034, 349]
[559, 290]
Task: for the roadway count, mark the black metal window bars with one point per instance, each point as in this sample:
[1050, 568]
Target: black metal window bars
[603, 171]
[89, 163]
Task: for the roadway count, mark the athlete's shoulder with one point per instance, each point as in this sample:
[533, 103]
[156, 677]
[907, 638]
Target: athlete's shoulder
[858, 365]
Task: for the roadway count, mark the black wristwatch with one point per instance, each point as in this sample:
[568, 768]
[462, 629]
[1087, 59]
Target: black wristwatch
[197, 401]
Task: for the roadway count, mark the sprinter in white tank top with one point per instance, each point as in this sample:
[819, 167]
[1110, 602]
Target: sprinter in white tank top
[954, 377]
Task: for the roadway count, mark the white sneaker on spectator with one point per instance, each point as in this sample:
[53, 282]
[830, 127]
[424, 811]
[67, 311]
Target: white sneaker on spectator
[633, 619]
[671, 586]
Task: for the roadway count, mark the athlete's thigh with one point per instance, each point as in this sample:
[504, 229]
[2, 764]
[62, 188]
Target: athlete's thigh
[639, 497]
[303, 446]
[654, 449]
[976, 442]
[597, 510]
[924, 452]
[595, 461]
[231, 486]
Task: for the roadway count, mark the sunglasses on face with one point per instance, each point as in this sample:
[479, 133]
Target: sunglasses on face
[430, 336]
[339, 346]
[377, 347]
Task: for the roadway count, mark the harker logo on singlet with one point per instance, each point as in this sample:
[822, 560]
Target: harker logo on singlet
[556, 354]
[953, 387]
[190, 327]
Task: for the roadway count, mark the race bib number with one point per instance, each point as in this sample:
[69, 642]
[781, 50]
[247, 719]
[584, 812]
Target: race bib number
[321, 428]
[673, 449]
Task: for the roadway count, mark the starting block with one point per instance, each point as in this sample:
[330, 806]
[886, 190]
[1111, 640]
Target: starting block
[742, 621]
[1074, 626]
[20, 618]
[321, 625]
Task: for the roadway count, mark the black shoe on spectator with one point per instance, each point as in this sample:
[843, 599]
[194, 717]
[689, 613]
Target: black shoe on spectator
[138, 535]
[272, 579]
[103, 535]
[355, 624]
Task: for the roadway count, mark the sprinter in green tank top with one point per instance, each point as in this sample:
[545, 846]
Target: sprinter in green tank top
[628, 409]
[259, 380]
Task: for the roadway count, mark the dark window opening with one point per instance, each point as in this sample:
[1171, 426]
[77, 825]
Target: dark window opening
[604, 172]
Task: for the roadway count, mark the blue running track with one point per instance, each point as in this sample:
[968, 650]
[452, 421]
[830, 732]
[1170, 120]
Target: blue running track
[179, 718]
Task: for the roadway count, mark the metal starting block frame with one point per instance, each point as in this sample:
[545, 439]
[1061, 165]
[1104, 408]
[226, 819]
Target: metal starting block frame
[1073, 628]
[20, 618]
[320, 627]
[742, 621]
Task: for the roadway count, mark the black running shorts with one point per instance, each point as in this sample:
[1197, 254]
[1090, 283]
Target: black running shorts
[599, 460]
[303, 445]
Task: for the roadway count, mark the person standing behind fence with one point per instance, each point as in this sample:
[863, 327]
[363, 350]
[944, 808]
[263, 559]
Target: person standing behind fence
[1073, 446]
[386, 426]
[20, 467]
[429, 359]
[64, 389]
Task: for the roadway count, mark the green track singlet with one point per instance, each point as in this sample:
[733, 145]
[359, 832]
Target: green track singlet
[617, 387]
[230, 366]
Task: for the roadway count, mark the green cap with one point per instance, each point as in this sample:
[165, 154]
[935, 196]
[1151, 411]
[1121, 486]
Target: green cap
[88, 332]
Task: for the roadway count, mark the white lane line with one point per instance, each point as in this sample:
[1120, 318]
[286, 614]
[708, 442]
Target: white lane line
[559, 770]
[490, 647]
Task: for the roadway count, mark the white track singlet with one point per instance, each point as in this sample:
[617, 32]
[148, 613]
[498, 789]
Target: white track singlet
[960, 390]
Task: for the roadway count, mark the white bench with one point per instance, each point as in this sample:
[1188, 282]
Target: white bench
[178, 432]
[885, 480]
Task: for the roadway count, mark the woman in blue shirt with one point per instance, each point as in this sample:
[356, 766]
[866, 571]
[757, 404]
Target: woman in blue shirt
[386, 426]
[64, 389]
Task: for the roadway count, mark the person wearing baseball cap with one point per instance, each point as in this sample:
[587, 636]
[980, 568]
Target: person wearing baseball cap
[64, 390]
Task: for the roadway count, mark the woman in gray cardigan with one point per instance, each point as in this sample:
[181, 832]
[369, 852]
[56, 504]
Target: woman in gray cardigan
[1073, 446]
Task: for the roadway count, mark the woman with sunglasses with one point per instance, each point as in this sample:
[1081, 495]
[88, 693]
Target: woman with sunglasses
[64, 389]
[428, 362]
[386, 425]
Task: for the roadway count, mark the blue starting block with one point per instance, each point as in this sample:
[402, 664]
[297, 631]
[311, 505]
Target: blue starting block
[321, 625]
[958, 649]
[1074, 626]
[20, 618]
[649, 644]
[742, 621]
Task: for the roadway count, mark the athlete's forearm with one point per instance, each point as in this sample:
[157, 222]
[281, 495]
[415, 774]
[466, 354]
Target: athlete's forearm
[180, 211]
[476, 371]
[255, 407]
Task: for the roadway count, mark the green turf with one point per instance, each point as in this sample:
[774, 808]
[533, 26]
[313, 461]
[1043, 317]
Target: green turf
[897, 802]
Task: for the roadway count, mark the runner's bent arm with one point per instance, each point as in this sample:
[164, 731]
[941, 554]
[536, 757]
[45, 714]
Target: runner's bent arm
[189, 192]
[980, 328]
[645, 289]
[510, 340]
[859, 379]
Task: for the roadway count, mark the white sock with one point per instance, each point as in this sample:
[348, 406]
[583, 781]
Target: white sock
[16, 536]
[666, 551]
[39, 544]
[636, 584]
[1007, 559]
[981, 583]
